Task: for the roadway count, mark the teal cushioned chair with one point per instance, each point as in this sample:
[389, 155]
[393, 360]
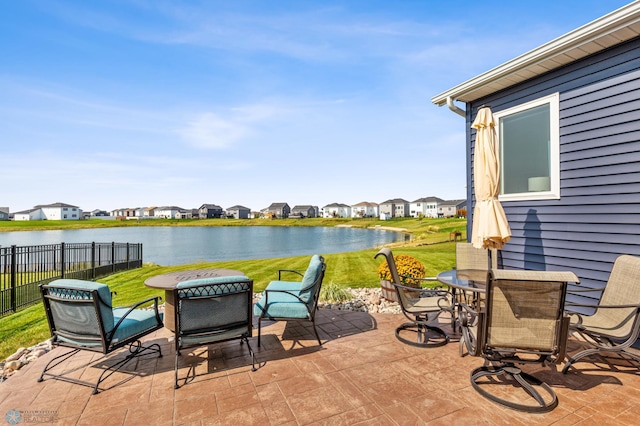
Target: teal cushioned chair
[81, 317]
[212, 310]
[293, 300]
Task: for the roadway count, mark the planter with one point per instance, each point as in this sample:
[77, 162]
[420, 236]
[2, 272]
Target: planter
[388, 291]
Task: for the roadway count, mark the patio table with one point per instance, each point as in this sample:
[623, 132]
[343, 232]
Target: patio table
[468, 286]
[169, 281]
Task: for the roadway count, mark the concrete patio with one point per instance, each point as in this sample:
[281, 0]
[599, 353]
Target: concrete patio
[361, 375]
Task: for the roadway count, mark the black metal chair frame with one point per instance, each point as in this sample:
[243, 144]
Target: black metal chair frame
[105, 341]
[239, 329]
[420, 322]
[311, 310]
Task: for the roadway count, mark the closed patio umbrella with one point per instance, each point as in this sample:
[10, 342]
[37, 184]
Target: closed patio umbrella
[490, 228]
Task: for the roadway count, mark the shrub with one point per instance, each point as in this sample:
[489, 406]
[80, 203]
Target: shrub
[334, 293]
[408, 266]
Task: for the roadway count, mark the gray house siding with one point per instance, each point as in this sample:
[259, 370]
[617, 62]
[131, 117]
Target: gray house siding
[597, 217]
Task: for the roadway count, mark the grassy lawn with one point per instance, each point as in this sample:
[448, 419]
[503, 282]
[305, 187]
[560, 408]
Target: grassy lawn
[429, 244]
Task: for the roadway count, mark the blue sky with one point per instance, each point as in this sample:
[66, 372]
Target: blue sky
[111, 104]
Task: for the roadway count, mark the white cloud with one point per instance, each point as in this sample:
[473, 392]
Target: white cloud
[210, 131]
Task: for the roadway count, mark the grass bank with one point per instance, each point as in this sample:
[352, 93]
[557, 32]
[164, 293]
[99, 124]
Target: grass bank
[429, 244]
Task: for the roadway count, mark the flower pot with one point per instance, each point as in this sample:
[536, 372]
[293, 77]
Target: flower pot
[388, 291]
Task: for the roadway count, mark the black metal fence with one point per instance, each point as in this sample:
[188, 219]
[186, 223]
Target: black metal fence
[23, 268]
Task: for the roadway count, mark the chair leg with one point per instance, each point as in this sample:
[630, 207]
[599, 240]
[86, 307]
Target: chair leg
[316, 332]
[55, 361]
[259, 329]
[421, 331]
[135, 348]
[253, 357]
[573, 359]
[526, 382]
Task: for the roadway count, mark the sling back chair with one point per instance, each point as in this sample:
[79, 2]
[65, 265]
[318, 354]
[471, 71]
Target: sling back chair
[471, 262]
[212, 310]
[293, 300]
[523, 322]
[421, 306]
[81, 317]
[615, 324]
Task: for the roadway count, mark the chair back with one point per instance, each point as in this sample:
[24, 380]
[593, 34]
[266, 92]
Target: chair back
[212, 310]
[312, 279]
[623, 288]
[470, 258]
[79, 312]
[391, 263]
[524, 313]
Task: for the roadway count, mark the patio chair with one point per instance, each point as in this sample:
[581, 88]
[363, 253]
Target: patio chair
[293, 300]
[615, 324]
[471, 263]
[81, 317]
[523, 322]
[212, 310]
[422, 307]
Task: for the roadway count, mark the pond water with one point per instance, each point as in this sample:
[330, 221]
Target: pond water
[177, 245]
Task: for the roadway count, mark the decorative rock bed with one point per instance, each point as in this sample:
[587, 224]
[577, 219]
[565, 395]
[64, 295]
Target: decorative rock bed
[363, 300]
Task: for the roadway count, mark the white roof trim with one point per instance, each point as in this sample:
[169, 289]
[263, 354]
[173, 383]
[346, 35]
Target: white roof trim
[606, 31]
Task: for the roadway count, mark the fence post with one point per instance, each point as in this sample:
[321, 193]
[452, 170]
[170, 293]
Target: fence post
[93, 260]
[128, 256]
[63, 258]
[13, 277]
[113, 256]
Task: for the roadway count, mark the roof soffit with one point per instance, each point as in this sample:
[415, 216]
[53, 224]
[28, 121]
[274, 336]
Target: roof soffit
[620, 25]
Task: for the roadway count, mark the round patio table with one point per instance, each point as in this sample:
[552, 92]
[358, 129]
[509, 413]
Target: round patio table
[169, 281]
[467, 280]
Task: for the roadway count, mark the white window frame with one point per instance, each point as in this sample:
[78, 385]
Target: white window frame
[554, 147]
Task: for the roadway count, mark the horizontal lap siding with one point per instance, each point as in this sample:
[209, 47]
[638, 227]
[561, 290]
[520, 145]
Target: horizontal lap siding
[597, 217]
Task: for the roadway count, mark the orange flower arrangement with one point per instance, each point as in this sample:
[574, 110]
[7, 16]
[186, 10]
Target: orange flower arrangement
[408, 266]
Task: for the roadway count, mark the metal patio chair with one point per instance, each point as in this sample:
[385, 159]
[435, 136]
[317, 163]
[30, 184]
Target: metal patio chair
[293, 300]
[523, 322]
[81, 317]
[212, 310]
[615, 324]
[422, 307]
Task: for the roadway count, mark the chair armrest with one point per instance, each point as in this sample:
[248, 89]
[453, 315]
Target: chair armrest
[288, 270]
[133, 307]
[419, 279]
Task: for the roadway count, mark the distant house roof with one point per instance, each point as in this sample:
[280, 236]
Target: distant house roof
[277, 207]
[453, 203]
[210, 207]
[25, 211]
[171, 208]
[429, 200]
[396, 201]
[366, 204]
[238, 207]
[54, 205]
[336, 205]
[618, 26]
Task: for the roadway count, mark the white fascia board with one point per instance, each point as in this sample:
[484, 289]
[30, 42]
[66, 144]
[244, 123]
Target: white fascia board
[613, 28]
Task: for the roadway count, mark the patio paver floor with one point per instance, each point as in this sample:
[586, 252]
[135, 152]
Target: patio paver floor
[361, 375]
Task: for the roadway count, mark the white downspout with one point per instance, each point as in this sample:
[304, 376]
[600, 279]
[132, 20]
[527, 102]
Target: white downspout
[453, 107]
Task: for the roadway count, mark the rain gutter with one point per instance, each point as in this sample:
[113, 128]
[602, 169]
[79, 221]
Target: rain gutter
[453, 107]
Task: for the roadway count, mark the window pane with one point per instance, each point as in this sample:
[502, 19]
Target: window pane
[525, 146]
